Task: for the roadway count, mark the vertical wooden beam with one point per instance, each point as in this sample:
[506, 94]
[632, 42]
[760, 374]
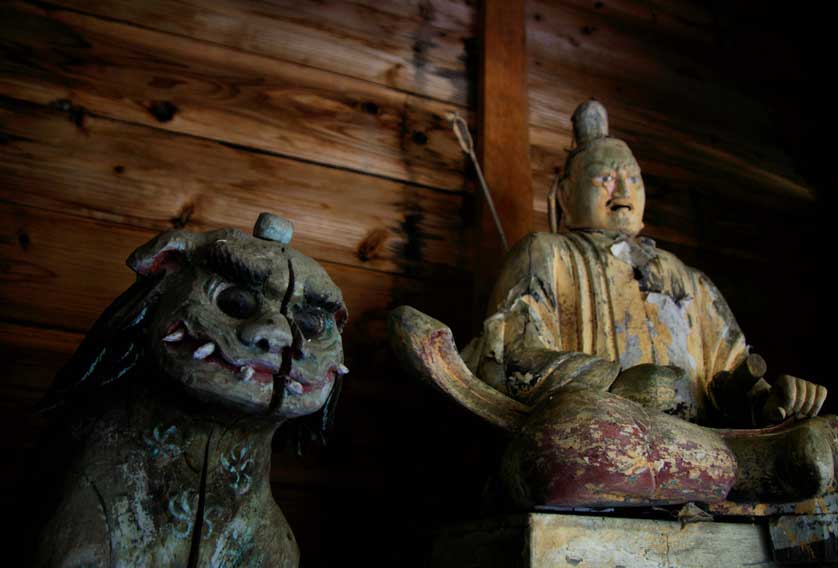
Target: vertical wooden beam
[503, 145]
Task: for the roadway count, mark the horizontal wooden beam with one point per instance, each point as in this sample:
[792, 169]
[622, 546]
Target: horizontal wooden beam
[416, 47]
[62, 270]
[91, 66]
[144, 177]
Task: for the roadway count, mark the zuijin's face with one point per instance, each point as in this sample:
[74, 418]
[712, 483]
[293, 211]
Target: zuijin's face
[604, 189]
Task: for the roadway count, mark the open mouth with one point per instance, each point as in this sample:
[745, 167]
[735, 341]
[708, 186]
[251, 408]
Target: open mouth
[619, 207]
[258, 371]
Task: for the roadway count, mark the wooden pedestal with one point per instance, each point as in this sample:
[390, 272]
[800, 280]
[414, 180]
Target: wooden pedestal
[556, 540]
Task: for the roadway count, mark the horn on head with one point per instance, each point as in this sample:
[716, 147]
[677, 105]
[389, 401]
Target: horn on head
[273, 228]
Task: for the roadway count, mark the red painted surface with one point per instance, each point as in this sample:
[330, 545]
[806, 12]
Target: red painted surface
[597, 449]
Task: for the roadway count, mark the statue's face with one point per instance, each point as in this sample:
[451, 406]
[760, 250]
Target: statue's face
[604, 189]
[250, 323]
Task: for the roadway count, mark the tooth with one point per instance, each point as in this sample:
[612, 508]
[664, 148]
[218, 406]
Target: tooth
[294, 387]
[176, 335]
[343, 369]
[204, 351]
[246, 373]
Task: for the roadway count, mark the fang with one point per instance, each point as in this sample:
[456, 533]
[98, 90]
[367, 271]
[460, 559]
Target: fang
[176, 335]
[204, 351]
[246, 373]
[294, 387]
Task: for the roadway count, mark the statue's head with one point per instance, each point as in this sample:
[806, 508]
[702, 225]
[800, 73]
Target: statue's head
[244, 321]
[602, 187]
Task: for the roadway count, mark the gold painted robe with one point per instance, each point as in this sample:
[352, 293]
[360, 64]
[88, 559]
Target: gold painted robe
[608, 295]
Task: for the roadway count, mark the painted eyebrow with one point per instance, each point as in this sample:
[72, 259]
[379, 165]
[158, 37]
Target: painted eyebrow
[227, 264]
[323, 301]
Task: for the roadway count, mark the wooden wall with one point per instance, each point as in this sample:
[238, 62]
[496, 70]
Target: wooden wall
[118, 121]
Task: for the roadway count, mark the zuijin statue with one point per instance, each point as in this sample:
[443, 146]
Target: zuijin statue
[174, 396]
[608, 358]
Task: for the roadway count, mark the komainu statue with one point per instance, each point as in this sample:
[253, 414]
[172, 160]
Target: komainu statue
[610, 361]
[175, 394]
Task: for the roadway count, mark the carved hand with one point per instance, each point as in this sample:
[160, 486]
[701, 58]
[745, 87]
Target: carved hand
[791, 396]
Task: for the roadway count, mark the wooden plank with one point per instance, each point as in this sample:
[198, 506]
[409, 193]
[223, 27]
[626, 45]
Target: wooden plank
[684, 22]
[676, 93]
[637, 67]
[188, 86]
[144, 177]
[418, 47]
[568, 540]
[503, 145]
[805, 539]
[503, 142]
[61, 271]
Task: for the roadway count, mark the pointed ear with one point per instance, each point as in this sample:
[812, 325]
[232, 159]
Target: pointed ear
[164, 252]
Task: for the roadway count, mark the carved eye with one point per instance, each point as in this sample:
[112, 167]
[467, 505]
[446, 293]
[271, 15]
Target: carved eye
[237, 302]
[634, 179]
[606, 178]
[312, 322]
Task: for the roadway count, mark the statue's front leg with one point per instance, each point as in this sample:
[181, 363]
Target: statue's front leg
[583, 448]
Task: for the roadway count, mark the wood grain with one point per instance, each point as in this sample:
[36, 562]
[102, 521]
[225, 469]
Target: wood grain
[417, 47]
[152, 179]
[183, 85]
[503, 145]
[568, 540]
[655, 80]
[42, 252]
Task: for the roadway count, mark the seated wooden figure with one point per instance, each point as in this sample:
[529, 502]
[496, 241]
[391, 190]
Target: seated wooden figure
[608, 359]
[174, 397]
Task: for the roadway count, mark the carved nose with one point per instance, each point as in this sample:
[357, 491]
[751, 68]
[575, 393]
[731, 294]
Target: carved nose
[620, 187]
[270, 335]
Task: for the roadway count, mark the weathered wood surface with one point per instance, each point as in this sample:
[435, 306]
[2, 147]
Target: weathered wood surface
[566, 540]
[143, 177]
[184, 85]
[418, 47]
[542, 540]
[657, 78]
[427, 349]
[43, 251]
[503, 142]
[503, 146]
[805, 539]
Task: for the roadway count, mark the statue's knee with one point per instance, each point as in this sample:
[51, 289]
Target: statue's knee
[582, 448]
[595, 448]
